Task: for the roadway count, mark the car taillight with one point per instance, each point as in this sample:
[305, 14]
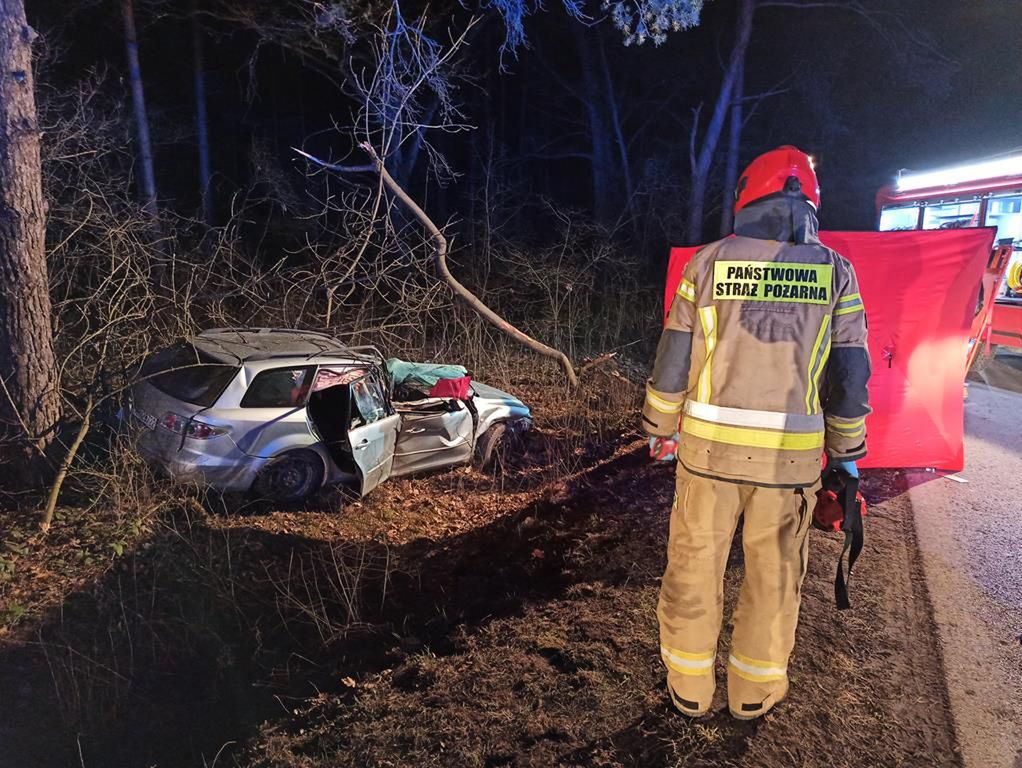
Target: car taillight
[197, 430]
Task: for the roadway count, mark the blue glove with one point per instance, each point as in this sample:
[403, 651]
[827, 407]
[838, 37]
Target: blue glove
[664, 448]
[848, 467]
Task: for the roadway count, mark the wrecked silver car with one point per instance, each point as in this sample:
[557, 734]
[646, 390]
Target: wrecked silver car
[282, 413]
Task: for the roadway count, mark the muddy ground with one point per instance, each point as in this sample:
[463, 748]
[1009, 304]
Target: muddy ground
[462, 619]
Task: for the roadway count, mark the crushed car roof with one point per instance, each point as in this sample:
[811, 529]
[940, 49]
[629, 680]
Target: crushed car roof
[250, 344]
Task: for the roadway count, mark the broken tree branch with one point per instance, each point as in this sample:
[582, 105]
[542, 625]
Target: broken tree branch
[65, 466]
[596, 362]
[440, 257]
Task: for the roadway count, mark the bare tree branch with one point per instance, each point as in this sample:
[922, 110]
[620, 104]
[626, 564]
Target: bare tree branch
[440, 247]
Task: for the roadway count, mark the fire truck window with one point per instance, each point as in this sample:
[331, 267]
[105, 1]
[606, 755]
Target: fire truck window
[1005, 213]
[951, 215]
[902, 217]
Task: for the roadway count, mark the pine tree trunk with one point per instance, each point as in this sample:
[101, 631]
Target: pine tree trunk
[145, 147]
[704, 159]
[29, 398]
[696, 206]
[734, 146]
[604, 167]
[619, 134]
[201, 119]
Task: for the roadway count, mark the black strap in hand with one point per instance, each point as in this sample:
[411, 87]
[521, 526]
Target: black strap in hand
[852, 526]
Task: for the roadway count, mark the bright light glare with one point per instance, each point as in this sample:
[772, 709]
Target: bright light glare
[988, 169]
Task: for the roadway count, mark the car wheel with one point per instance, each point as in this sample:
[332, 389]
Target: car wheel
[290, 477]
[486, 446]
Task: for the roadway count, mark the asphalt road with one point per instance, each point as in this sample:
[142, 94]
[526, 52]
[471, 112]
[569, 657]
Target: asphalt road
[970, 538]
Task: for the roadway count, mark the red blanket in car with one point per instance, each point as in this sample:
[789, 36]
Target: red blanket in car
[453, 388]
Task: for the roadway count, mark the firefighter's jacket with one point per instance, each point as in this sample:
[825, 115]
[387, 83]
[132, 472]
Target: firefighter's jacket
[763, 363]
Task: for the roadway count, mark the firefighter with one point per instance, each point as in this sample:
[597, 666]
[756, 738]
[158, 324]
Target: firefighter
[761, 368]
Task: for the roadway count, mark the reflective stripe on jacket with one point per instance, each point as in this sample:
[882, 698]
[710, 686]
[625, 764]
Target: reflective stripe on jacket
[763, 362]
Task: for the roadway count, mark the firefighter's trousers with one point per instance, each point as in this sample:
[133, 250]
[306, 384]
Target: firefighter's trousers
[775, 544]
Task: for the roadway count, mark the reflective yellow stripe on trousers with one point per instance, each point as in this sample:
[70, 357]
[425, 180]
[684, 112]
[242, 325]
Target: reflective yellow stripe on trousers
[755, 670]
[688, 663]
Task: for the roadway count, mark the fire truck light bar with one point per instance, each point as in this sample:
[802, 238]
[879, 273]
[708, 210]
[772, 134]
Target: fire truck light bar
[961, 174]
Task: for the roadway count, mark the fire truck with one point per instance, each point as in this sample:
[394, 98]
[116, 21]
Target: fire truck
[986, 193]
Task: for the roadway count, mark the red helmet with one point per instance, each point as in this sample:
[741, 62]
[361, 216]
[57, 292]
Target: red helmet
[771, 173]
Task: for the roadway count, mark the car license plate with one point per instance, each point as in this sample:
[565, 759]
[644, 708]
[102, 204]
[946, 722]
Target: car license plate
[146, 418]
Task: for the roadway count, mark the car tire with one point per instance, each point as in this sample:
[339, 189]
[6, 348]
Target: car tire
[487, 445]
[290, 477]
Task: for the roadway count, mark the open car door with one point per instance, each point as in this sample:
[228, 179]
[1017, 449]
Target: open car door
[435, 432]
[373, 435]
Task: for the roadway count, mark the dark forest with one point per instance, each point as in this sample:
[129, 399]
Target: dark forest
[495, 185]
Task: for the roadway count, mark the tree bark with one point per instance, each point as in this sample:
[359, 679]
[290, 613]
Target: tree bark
[604, 176]
[702, 160]
[201, 119]
[145, 148]
[614, 114]
[734, 146]
[29, 397]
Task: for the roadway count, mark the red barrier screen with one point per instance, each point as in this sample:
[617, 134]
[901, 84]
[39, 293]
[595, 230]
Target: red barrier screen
[920, 290]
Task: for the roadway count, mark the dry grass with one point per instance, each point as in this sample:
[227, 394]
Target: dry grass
[563, 671]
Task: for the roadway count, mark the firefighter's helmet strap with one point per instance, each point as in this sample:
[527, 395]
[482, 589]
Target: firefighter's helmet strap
[853, 528]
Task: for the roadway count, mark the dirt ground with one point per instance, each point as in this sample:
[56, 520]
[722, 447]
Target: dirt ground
[545, 653]
[460, 619]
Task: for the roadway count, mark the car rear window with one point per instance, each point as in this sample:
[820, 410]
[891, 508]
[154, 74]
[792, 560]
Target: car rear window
[183, 372]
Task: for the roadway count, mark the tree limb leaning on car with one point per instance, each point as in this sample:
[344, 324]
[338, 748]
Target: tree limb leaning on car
[440, 252]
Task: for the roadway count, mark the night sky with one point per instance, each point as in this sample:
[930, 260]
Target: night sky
[983, 109]
[865, 103]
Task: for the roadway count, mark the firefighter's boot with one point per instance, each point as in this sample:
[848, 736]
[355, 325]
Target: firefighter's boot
[775, 544]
